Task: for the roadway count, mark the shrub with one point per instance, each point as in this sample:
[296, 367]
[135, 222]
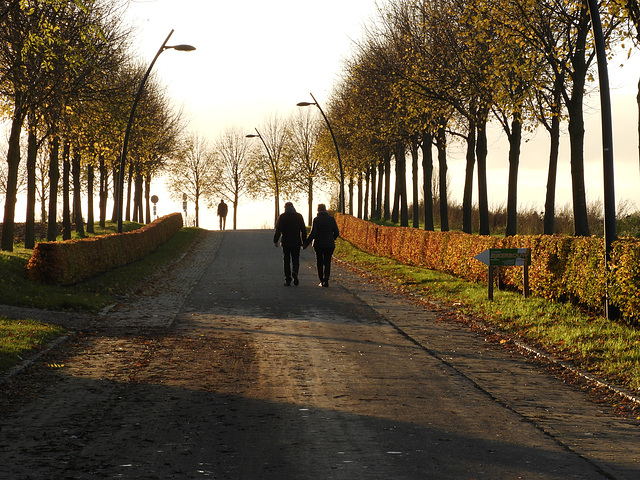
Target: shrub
[72, 261]
[562, 268]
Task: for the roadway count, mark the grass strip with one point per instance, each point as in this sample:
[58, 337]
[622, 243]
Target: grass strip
[594, 344]
[91, 295]
[21, 338]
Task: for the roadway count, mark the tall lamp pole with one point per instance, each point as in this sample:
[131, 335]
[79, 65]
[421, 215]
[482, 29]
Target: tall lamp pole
[610, 233]
[273, 170]
[335, 143]
[123, 156]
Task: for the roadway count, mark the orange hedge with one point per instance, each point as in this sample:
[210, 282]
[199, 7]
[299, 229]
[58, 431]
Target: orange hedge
[562, 268]
[72, 261]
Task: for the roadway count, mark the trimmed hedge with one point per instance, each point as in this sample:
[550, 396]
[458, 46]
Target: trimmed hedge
[72, 261]
[562, 268]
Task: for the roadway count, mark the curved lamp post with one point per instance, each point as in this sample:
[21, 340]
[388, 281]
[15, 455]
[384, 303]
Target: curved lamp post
[335, 143]
[273, 170]
[610, 233]
[123, 157]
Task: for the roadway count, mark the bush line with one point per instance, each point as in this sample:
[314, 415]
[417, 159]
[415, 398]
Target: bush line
[563, 268]
[72, 261]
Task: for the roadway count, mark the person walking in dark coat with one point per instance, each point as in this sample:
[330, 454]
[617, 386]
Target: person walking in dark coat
[324, 232]
[294, 233]
[222, 213]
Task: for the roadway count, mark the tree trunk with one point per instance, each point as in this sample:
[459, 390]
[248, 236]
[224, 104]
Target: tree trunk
[550, 201]
[90, 180]
[66, 207]
[373, 173]
[367, 185]
[414, 184]
[387, 184]
[138, 190]
[638, 105]
[351, 195]
[32, 153]
[104, 191]
[395, 212]
[13, 161]
[515, 139]
[77, 195]
[310, 199]
[442, 179]
[116, 196]
[235, 210]
[197, 210]
[481, 158]
[147, 198]
[576, 126]
[427, 179]
[127, 214]
[467, 199]
[54, 178]
[360, 175]
[380, 193]
[401, 182]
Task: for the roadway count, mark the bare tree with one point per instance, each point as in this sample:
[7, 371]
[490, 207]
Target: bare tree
[271, 168]
[233, 160]
[193, 172]
[308, 167]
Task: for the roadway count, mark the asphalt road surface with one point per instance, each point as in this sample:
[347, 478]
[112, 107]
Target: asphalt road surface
[255, 380]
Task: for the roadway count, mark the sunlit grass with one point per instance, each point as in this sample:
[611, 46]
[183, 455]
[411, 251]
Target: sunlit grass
[90, 295]
[595, 344]
[20, 338]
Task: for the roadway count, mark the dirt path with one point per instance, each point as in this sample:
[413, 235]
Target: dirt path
[256, 380]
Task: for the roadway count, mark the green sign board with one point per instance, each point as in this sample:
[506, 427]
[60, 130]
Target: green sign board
[505, 257]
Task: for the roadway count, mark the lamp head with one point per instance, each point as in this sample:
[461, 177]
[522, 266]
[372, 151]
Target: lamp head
[251, 135]
[182, 48]
[305, 104]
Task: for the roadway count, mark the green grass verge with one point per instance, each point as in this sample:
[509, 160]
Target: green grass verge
[88, 296]
[19, 337]
[595, 344]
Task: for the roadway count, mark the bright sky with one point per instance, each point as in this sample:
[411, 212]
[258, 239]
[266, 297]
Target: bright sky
[256, 58]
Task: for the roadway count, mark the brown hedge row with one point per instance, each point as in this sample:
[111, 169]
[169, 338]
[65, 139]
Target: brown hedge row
[72, 261]
[562, 268]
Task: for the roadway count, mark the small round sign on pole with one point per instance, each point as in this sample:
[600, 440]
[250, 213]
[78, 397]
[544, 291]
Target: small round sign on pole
[184, 205]
[154, 200]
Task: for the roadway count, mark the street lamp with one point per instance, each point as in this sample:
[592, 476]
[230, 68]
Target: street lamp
[610, 233]
[335, 143]
[273, 170]
[123, 157]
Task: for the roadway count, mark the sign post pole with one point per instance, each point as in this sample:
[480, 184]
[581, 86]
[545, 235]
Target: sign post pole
[506, 257]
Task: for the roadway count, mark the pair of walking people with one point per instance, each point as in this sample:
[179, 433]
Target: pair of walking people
[291, 227]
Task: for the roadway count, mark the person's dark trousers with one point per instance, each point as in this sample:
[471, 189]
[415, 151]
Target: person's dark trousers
[323, 259]
[291, 259]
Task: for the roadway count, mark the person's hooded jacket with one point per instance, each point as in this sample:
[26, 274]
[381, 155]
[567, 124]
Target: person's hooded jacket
[324, 231]
[291, 226]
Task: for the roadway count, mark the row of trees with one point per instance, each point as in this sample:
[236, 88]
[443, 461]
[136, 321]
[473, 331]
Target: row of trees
[430, 72]
[283, 157]
[67, 84]
[67, 81]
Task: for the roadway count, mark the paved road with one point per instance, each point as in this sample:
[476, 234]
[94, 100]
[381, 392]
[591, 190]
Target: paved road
[260, 381]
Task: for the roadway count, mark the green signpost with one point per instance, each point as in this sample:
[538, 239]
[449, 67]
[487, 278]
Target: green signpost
[506, 257]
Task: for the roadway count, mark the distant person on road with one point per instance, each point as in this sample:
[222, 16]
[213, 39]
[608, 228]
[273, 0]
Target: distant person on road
[294, 233]
[222, 213]
[323, 235]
